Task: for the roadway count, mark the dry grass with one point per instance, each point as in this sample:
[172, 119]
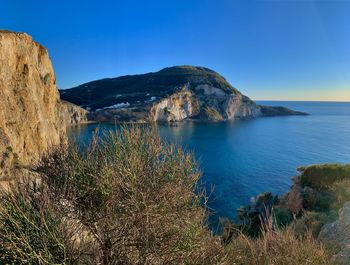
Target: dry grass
[277, 248]
[341, 191]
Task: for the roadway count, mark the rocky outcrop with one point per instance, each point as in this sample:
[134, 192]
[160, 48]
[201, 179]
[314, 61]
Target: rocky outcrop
[212, 104]
[240, 106]
[172, 94]
[31, 116]
[337, 235]
[176, 107]
[278, 111]
[72, 114]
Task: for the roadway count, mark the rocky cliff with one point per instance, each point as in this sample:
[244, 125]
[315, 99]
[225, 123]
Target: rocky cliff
[176, 107]
[31, 118]
[72, 114]
[172, 94]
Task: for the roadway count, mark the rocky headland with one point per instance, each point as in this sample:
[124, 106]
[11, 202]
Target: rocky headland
[169, 95]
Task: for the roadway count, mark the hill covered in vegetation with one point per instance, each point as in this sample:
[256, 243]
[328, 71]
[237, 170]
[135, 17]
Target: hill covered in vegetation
[172, 94]
[139, 88]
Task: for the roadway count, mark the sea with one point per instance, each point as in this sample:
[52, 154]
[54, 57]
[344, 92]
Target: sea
[240, 159]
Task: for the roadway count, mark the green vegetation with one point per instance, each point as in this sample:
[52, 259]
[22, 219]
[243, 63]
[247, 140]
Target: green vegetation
[279, 111]
[310, 222]
[323, 176]
[253, 218]
[325, 188]
[129, 198]
[31, 231]
[212, 114]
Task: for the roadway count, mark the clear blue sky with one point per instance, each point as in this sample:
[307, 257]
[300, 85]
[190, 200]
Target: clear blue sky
[269, 49]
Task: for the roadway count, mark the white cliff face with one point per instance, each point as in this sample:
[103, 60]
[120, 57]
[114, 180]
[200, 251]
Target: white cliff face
[176, 107]
[188, 103]
[203, 102]
[228, 105]
[238, 106]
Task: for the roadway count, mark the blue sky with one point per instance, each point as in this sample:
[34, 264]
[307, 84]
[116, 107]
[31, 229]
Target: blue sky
[268, 49]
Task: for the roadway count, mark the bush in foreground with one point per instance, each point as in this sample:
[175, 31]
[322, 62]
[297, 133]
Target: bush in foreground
[31, 230]
[135, 196]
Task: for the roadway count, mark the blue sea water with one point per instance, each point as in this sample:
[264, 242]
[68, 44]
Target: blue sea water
[242, 158]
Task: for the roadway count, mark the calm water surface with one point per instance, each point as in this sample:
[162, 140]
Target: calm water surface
[241, 159]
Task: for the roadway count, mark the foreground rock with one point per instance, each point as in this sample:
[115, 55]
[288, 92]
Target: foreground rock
[337, 235]
[31, 116]
[172, 94]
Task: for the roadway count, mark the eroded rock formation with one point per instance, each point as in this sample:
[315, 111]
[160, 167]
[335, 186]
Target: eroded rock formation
[72, 114]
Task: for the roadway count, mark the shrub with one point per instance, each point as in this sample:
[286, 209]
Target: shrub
[31, 231]
[341, 193]
[135, 195]
[323, 176]
[282, 216]
[310, 222]
[253, 217]
[314, 200]
[293, 200]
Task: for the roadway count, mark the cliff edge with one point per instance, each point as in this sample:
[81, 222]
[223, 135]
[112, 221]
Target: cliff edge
[31, 118]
